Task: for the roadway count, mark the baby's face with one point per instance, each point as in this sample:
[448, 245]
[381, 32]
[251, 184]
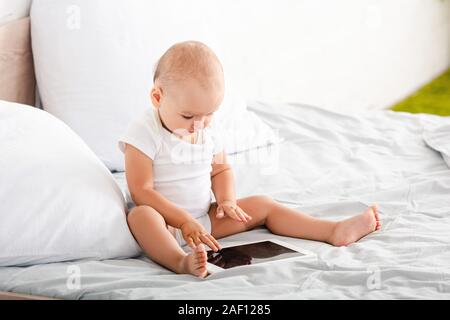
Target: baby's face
[186, 106]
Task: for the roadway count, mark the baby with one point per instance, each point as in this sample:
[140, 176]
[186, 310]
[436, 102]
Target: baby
[174, 159]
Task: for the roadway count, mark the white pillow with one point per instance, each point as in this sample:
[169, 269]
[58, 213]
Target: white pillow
[438, 138]
[57, 199]
[94, 65]
[244, 130]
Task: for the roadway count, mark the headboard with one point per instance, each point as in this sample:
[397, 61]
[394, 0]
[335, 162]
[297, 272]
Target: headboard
[17, 80]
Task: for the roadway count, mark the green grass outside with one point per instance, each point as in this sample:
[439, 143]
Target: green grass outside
[434, 98]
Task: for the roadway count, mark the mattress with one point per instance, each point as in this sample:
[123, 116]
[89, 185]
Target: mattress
[329, 165]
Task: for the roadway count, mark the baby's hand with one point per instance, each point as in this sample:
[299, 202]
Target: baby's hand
[194, 234]
[231, 209]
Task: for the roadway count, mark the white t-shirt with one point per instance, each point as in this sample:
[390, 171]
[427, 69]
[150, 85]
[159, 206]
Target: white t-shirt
[181, 170]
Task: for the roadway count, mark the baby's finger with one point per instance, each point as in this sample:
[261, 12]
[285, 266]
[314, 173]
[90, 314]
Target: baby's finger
[206, 240]
[244, 213]
[241, 215]
[220, 213]
[197, 240]
[190, 242]
[214, 240]
[233, 214]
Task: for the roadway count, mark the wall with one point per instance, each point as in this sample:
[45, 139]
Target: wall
[13, 9]
[344, 55]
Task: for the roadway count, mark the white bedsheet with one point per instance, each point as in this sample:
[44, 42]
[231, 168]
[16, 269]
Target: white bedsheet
[330, 166]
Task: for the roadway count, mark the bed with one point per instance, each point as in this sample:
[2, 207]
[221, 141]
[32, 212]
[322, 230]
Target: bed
[329, 165]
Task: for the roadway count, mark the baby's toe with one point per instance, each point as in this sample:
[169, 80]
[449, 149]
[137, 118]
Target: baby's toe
[200, 248]
[375, 212]
[200, 252]
[378, 227]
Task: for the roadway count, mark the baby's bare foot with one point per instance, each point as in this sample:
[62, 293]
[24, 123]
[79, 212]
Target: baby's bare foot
[195, 262]
[351, 230]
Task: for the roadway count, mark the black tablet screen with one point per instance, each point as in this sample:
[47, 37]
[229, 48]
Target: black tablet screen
[252, 253]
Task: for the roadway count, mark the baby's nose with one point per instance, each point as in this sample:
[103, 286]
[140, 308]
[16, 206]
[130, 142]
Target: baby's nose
[199, 124]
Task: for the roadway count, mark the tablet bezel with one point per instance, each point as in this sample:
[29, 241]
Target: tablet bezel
[212, 268]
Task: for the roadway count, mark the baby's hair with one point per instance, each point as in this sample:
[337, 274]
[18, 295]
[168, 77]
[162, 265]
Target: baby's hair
[188, 59]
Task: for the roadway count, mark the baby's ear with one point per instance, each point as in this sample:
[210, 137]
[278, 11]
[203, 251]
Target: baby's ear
[155, 96]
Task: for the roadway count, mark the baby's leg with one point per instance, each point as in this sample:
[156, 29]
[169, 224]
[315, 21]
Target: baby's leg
[285, 221]
[150, 231]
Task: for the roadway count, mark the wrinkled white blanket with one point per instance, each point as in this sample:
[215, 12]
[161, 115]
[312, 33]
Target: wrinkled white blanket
[330, 165]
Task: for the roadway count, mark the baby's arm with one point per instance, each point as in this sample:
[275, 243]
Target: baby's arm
[222, 185]
[222, 180]
[139, 174]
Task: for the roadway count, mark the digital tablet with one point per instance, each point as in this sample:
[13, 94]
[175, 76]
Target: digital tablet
[249, 253]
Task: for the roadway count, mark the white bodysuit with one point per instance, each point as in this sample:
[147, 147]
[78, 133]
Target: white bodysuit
[181, 170]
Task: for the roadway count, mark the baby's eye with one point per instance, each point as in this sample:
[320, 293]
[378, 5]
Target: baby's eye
[187, 117]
